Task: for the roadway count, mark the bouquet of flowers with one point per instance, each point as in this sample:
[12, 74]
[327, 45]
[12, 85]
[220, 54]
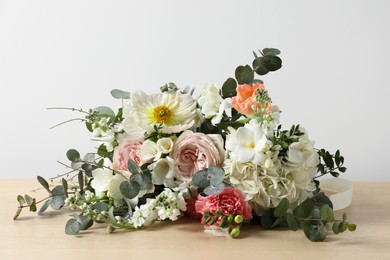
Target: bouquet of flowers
[221, 158]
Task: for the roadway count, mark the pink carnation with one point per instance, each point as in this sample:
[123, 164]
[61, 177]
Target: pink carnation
[126, 150]
[196, 151]
[230, 201]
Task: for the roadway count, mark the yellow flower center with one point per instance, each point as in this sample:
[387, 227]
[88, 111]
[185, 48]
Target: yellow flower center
[251, 145]
[162, 114]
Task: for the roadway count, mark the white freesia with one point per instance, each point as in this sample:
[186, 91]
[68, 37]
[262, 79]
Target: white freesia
[173, 111]
[224, 107]
[148, 151]
[101, 180]
[164, 145]
[248, 143]
[163, 171]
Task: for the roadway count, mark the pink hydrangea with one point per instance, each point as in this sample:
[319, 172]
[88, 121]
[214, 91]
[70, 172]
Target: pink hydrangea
[126, 150]
[230, 201]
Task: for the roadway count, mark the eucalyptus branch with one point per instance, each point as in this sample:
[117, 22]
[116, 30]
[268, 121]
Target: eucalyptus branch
[69, 108]
[67, 121]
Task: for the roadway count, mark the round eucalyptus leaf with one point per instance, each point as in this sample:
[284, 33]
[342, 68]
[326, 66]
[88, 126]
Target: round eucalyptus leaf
[259, 68]
[201, 179]
[73, 155]
[119, 94]
[129, 189]
[272, 63]
[271, 52]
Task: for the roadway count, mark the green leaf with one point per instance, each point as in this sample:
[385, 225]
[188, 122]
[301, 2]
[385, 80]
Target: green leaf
[44, 183]
[272, 63]
[266, 220]
[229, 88]
[58, 197]
[344, 216]
[316, 232]
[292, 223]
[351, 227]
[33, 206]
[324, 212]
[104, 112]
[17, 213]
[342, 169]
[28, 199]
[44, 207]
[101, 206]
[214, 189]
[120, 94]
[144, 180]
[72, 227]
[304, 210]
[258, 67]
[80, 178]
[65, 186]
[343, 226]
[271, 52]
[282, 208]
[102, 151]
[214, 220]
[216, 174]
[73, 155]
[330, 215]
[21, 200]
[133, 167]
[335, 228]
[200, 179]
[244, 75]
[129, 189]
[84, 222]
[277, 222]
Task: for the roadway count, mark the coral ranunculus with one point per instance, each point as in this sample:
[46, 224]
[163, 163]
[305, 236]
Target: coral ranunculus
[230, 201]
[245, 99]
[126, 150]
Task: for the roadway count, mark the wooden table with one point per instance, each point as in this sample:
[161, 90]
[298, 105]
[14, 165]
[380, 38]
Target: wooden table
[43, 237]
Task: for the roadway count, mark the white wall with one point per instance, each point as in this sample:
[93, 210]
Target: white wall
[335, 78]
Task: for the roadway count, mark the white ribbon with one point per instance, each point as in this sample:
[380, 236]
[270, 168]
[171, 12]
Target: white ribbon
[339, 192]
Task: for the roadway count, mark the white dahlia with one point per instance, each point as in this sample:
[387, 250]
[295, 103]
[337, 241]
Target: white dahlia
[174, 111]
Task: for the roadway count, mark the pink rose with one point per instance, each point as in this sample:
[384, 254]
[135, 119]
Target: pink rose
[126, 150]
[196, 151]
[230, 201]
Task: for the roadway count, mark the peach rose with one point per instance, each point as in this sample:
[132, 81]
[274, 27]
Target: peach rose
[126, 150]
[196, 151]
[245, 99]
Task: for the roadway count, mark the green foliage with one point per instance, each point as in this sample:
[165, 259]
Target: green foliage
[77, 224]
[58, 197]
[282, 208]
[285, 138]
[102, 151]
[244, 74]
[133, 167]
[120, 94]
[210, 180]
[229, 88]
[44, 183]
[44, 207]
[73, 155]
[312, 215]
[330, 163]
[267, 61]
[130, 189]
